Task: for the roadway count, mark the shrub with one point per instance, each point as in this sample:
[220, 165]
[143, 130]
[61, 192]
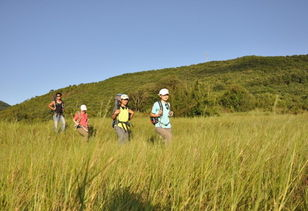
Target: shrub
[237, 98]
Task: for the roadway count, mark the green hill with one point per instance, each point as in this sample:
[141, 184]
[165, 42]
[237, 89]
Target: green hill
[3, 105]
[277, 84]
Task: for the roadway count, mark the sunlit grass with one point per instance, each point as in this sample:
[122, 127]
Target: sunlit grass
[234, 162]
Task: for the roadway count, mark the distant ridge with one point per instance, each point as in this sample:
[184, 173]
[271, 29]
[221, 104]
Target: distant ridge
[274, 84]
[3, 105]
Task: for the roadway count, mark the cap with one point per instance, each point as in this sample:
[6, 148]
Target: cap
[124, 97]
[164, 92]
[83, 107]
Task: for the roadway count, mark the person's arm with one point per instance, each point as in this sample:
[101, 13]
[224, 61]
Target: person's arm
[115, 114]
[62, 106]
[154, 112]
[52, 105]
[76, 117]
[131, 114]
[87, 120]
[170, 112]
[156, 115]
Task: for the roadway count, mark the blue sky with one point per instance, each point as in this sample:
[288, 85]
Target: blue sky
[50, 44]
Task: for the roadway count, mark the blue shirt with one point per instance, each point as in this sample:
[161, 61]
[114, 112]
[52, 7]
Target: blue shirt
[163, 121]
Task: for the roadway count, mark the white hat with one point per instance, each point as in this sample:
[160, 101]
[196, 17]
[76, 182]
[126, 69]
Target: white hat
[83, 107]
[164, 92]
[124, 97]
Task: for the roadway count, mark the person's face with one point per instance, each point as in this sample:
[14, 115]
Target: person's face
[124, 102]
[58, 97]
[164, 97]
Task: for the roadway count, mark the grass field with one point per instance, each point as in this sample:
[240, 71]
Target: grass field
[232, 162]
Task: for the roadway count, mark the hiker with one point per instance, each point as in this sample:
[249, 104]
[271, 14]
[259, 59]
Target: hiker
[81, 121]
[57, 105]
[161, 111]
[121, 116]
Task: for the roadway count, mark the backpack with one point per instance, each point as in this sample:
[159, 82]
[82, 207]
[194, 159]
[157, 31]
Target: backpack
[117, 104]
[154, 120]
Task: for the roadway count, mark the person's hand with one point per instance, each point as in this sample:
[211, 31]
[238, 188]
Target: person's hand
[170, 113]
[160, 112]
[75, 123]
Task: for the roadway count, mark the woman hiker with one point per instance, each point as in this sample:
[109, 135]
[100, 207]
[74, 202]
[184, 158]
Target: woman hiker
[82, 122]
[121, 117]
[57, 105]
[161, 111]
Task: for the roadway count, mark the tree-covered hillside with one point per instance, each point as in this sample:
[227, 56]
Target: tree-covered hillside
[3, 105]
[278, 84]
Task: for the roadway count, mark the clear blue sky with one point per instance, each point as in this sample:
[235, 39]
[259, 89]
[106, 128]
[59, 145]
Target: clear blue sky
[50, 44]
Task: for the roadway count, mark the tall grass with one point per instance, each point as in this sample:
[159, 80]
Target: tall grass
[249, 162]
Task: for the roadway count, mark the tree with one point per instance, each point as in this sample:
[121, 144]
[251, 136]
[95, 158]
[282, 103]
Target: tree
[237, 98]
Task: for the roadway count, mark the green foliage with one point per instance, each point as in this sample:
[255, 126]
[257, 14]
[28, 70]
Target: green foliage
[237, 99]
[3, 105]
[194, 99]
[197, 90]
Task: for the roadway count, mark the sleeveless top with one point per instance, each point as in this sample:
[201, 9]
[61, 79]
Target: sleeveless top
[59, 107]
[123, 117]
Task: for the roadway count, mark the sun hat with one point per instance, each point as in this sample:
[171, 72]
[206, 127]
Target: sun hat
[124, 97]
[163, 92]
[83, 107]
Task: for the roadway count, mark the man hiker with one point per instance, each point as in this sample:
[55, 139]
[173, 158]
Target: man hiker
[81, 121]
[57, 105]
[161, 111]
[121, 116]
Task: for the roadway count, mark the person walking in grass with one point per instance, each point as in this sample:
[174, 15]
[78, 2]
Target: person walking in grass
[121, 116]
[161, 111]
[57, 105]
[81, 121]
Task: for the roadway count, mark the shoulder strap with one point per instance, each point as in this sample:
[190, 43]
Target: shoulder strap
[161, 106]
[120, 108]
[62, 102]
[117, 118]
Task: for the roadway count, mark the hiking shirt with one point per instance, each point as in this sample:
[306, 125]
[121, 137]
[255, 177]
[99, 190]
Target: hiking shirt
[59, 107]
[163, 121]
[123, 117]
[82, 118]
